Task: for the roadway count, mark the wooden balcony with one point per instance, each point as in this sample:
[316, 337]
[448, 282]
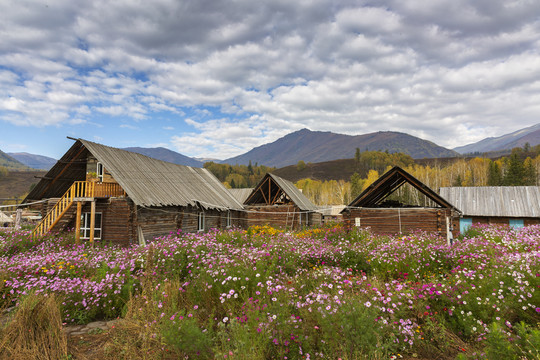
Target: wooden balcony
[80, 191]
[90, 189]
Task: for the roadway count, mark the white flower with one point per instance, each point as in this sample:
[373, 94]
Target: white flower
[367, 304]
[225, 319]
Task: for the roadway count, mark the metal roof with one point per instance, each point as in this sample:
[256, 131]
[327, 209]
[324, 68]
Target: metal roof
[331, 210]
[389, 182]
[148, 181]
[241, 194]
[503, 201]
[288, 188]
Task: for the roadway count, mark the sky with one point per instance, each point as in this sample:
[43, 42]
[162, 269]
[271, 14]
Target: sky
[213, 79]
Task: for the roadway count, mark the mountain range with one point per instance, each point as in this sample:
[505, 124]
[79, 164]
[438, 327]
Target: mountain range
[34, 161]
[317, 146]
[517, 138]
[166, 155]
[9, 162]
[313, 146]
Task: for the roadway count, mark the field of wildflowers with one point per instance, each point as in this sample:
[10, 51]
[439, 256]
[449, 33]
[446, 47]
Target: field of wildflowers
[320, 293]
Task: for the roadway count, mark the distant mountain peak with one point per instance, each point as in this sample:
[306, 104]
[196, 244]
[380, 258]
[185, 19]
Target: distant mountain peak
[318, 146]
[165, 154]
[32, 160]
[508, 141]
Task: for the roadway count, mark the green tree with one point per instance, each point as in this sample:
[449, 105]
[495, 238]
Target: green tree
[529, 172]
[514, 172]
[301, 165]
[495, 177]
[356, 185]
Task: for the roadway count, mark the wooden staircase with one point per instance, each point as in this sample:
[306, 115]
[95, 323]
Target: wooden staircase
[62, 213]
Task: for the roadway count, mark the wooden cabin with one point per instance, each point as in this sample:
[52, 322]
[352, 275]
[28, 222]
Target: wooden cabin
[516, 206]
[372, 210]
[123, 197]
[332, 214]
[278, 203]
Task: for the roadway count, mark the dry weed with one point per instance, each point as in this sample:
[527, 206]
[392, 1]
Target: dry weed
[34, 331]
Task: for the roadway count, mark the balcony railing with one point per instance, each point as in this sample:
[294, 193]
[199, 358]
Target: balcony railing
[78, 190]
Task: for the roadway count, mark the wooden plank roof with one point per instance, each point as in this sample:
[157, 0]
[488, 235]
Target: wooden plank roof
[500, 201]
[389, 182]
[271, 188]
[147, 181]
[241, 194]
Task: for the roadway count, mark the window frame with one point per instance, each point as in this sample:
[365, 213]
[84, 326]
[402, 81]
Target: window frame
[200, 221]
[100, 171]
[464, 224]
[516, 223]
[85, 225]
[228, 221]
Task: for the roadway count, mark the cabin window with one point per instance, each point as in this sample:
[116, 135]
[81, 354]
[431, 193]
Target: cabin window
[99, 171]
[200, 221]
[464, 224]
[229, 218]
[85, 226]
[516, 223]
[302, 219]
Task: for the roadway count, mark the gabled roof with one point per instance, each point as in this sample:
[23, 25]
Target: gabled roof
[273, 190]
[503, 201]
[389, 182]
[147, 181]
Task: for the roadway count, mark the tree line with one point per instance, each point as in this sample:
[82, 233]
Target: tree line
[238, 176]
[520, 168]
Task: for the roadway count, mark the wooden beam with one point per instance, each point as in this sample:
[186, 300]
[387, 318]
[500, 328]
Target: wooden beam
[255, 192]
[280, 190]
[61, 172]
[78, 223]
[92, 221]
[262, 192]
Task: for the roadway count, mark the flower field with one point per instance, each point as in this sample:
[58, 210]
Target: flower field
[316, 294]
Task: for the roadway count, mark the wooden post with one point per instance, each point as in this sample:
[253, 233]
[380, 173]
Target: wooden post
[449, 235]
[78, 223]
[399, 218]
[18, 219]
[92, 221]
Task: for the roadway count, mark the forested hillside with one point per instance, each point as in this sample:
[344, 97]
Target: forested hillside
[238, 176]
[518, 169]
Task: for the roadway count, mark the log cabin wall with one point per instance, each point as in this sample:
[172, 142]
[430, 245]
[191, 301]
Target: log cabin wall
[278, 216]
[116, 220]
[156, 222]
[237, 219]
[399, 220]
[315, 219]
[47, 206]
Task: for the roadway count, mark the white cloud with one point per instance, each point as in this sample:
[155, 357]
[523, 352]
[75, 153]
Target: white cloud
[243, 73]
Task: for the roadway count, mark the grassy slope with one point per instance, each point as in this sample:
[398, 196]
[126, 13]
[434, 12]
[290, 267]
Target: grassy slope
[17, 183]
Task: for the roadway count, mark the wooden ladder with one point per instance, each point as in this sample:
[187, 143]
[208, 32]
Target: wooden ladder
[290, 216]
[79, 189]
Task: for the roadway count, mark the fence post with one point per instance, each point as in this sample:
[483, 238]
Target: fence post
[18, 219]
